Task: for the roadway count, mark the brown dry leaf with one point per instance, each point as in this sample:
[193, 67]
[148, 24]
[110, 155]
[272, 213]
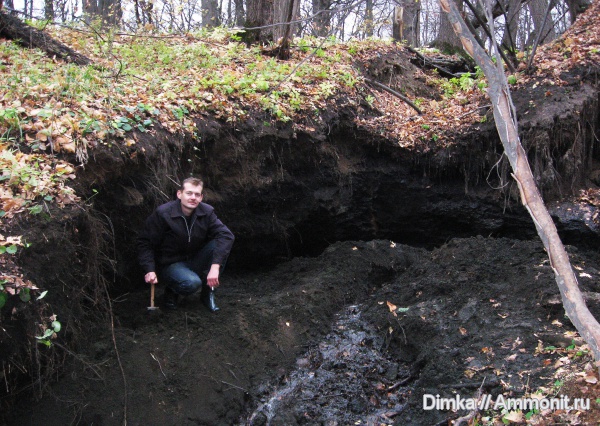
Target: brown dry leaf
[514, 417]
[463, 331]
[392, 308]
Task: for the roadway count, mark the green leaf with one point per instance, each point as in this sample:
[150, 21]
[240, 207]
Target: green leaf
[126, 127]
[56, 326]
[3, 298]
[37, 209]
[47, 333]
[12, 249]
[41, 296]
[44, 113]
[25, 295]
[2, 249]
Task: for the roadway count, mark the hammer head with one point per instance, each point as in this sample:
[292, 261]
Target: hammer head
[152, 308]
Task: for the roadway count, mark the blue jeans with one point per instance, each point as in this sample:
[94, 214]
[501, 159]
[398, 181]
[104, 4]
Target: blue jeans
[185, 278]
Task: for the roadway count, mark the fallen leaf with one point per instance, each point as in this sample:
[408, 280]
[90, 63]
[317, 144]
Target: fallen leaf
[392, 308]
[514, 416]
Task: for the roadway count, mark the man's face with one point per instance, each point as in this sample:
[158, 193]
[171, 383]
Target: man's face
[190, 197]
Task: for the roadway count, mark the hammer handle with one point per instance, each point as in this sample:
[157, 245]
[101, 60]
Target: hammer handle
[152, 295]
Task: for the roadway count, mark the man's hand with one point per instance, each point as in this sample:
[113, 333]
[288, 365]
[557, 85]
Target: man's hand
[212, 279]
[151, 278]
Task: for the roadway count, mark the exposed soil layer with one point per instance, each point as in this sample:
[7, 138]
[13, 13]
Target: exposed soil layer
[472, 303]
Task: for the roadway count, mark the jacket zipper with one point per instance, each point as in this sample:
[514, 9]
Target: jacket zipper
[189, 228]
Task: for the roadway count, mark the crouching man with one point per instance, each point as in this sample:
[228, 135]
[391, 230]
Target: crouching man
[185, 246]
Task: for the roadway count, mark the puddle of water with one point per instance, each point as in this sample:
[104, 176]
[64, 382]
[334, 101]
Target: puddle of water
[345, 379]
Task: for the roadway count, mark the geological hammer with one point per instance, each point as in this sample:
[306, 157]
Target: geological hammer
[152, 307]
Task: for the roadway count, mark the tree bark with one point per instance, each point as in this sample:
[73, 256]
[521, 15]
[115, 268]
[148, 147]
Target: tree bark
[511, 26]
[447, 41]
[406, 25]
[258, 14]
[210, 14]
[369, 25]
[14, 29]
[322, 21]
[283, 12]
[49, 9]
[108, 11]
[542, 24]
[284, 47]
[239, 12]
[506, 123]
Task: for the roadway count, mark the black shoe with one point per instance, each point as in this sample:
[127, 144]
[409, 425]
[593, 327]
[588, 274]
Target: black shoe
[208, 298]
[170, 299]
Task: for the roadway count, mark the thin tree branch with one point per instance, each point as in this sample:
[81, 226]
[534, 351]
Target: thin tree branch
[393, 92]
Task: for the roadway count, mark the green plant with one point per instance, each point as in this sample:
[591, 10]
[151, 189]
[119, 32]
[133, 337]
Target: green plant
[326, 89]
[179, 112]
[49, 332]
[464, 83]
[531, 413]
[10, 119]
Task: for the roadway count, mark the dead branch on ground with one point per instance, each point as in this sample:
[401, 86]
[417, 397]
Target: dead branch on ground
[393, 92]
[13, 28]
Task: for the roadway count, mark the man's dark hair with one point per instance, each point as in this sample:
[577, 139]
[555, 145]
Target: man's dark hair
[193, 181]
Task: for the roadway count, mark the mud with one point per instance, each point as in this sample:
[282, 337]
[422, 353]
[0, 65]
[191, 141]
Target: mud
[315, 341]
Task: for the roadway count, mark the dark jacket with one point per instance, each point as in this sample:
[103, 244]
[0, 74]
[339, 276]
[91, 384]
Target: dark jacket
[167, 238]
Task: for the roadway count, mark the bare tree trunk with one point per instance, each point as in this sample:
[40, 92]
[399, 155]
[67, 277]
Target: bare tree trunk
[447, 40]
[108, 11]
[281, 14]
[407, 25]
[543, 25]
[147, 9]
[322, 20]
[506, 123]
[210, 14]
[258, 14]
[284, 47]
[369, 18]
[136, 9]
[511, 19]
[49, 9]
[239, 12]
